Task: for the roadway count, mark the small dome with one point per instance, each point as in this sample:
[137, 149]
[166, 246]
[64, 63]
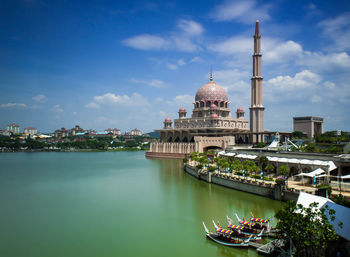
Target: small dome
[211, 92]
[182, 109]
[214, 116]
[213, 106]
[167, 120]
[240, 110]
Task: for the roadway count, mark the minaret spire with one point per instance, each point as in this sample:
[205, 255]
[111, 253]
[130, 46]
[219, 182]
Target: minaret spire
[257, 108]
[257, 32]
[211, 72]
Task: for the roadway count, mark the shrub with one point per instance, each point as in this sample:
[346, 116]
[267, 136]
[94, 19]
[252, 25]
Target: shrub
[199, 166]
[280, 181]
[185, 160]
[340, 199]
[268, 178]
[240, 173]
[211, 168]
[326, 187]
[255, 176]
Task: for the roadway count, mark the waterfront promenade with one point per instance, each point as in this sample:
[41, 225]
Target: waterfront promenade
[256, 186]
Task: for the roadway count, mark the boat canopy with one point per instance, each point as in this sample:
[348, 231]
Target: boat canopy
[235, 226]
[224, 231]
[259, 220]
[247, 223]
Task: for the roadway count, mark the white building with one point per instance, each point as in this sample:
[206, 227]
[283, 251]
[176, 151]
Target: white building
[30, 131]
[14, 128]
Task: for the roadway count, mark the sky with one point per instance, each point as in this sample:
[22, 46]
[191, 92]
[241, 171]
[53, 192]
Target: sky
[131, 64]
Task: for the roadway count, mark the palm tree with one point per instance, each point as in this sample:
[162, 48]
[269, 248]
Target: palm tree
[284, 171]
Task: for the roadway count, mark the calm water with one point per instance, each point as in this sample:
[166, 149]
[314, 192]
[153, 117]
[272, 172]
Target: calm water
[112, 204]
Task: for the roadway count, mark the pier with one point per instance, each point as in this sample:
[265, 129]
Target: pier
[268, 248]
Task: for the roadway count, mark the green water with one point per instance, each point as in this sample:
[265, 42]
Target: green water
[112, 204]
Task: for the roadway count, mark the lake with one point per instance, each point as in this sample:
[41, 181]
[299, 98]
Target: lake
[113, 204]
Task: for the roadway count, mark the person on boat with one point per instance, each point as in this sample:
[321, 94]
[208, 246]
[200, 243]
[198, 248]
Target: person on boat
[219, 225]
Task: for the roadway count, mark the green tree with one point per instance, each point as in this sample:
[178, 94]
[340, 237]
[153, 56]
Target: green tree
[283, 170]
[247, 166]
[237, 166]
[269, 168]
[308, 229]
[298, 134]
[255, 168]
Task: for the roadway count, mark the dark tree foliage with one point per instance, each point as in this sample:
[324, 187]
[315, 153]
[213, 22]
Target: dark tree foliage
[307, 229]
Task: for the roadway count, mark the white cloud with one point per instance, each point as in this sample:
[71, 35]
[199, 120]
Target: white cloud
[92, 105]
[57, 108]
[40, 98]
[184, 99]
[316, 99]
[281, 52]
[273, 49]
[301, 80]
[156, 83]
[333, 62]
[196, 59]
[111, 99]
[329, 85]
[10, 105]
[171, 66]
[338, 30]
[233, 45]
[184, 38]
[190, 27]
[245, 11]
[176, 65]
[227, 77]
[147, 42]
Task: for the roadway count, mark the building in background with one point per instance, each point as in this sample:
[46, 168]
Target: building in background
[5, 132]
[115, 131]
[311, 126]
[135, 132]
[13, 128]
[30, 131]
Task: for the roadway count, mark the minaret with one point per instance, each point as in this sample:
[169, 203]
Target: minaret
[257, 108]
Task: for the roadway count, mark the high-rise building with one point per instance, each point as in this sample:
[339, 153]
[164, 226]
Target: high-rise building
[310, 126]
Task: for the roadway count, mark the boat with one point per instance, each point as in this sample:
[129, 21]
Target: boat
[225, 239]
[246, 230]
[237, 233]
[256, 223]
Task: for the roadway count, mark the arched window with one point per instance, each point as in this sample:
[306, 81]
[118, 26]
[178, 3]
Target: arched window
[225, 104]
[197, 104]
[222, 104]
[208, 104]
[202, 104]
[216, 103]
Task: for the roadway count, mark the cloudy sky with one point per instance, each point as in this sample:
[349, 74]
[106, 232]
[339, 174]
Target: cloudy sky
[128, 64]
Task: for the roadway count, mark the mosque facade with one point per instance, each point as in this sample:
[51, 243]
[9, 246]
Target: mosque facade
[211, 124]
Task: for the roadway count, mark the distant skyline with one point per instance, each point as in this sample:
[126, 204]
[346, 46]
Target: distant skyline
[131, 64]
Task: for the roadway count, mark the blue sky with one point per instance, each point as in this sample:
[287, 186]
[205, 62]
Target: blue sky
[128, 64]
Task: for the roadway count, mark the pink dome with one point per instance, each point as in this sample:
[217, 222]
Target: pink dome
[213, 106]
[167, 120]
[214, 116]
[240, 110]
[182, 109]
[211, 92]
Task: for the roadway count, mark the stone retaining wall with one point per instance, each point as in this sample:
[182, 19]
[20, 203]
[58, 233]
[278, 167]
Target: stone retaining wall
[250, 187]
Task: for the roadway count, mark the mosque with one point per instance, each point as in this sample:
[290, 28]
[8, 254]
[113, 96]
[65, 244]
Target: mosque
[211, 125]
